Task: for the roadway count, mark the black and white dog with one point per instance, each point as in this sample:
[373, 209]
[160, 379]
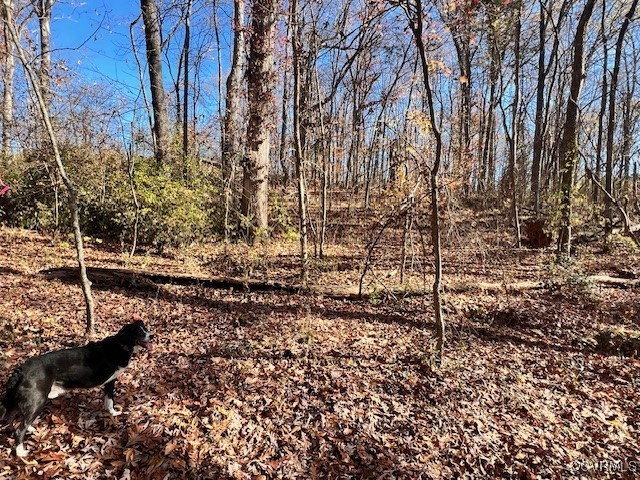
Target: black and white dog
[51, 374]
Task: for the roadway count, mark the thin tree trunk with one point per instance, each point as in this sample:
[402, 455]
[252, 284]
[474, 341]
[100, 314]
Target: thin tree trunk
[43, 10]
[72, 190]
[603, 102]
[415, 13]
[216, 31]
[513, 144]
[538, 136]
[568, 153]
[7, 93]
[611, 121]
[282, 151]
[296, 33]
[185, 94]
[463, 51]
[152, 36]
[629, 119]
[131, 171]
[141, 79]
[231, 143]
[325, 149]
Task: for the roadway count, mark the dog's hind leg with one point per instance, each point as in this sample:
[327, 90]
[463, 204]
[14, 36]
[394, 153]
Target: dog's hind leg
[108, 398]
[19, 447]
[31, 405]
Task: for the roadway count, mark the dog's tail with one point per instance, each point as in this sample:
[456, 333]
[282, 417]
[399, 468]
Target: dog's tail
[8, 402]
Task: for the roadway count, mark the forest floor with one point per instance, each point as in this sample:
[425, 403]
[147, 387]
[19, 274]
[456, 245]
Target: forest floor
[253, 385]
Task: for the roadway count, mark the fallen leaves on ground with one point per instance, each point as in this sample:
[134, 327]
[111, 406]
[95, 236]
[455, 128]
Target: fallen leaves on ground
[248, 386]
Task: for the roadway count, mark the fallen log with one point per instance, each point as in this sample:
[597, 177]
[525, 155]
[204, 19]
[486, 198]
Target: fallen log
[142, 280]
[102, 277]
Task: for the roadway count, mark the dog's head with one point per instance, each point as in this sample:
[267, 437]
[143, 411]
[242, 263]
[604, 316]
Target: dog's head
[136, 335]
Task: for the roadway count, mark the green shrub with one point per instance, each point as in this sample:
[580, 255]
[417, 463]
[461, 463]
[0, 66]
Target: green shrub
[173, 212]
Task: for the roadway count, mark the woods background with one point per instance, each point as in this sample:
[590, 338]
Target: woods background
[166, 149]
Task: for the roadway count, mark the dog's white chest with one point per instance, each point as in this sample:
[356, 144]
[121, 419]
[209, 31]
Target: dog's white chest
[115, 375]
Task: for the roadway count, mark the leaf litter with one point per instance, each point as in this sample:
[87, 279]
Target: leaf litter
[247, 386]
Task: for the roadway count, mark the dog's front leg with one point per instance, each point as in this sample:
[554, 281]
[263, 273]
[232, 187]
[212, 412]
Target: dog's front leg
[108, 398]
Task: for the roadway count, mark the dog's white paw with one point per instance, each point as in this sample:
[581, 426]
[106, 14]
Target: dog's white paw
[31, 429]
[108, 405]
[21, 451]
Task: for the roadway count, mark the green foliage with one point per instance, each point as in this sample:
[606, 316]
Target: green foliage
[284, 224]
[621, 244]
[565, 277]
[28, 203]
[173, 212]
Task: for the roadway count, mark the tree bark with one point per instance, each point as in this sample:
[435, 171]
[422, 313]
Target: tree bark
[260, 85]
[568, 153]
[611, 121]
[185, 94]
[513, 143]
[296, 34]
[152, 36]
[539, 118]
[603, 100]
[282, 150]
[415, 13]
[7, 77]
[43, 10]
[231, 133]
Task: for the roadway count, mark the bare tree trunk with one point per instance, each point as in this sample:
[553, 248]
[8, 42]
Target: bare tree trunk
[415, 12]
[325, 149]
[260, 86]
[568, 153]
[629, 119]
[216, 31]
[542, 105]
[231, 134]
[141, 78]
[284, 125]
[72, 190]
[131, 171]
[488, 160]
[603, 101]
[513, 144]
[462, 42]
[282, 151]
[7, 93]
[539, 119]
[43, 10]
[296, 34]
[612, 116]
[152, 36]
[185, 94]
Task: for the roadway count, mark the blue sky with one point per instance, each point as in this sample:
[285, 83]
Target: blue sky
[92, 37]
